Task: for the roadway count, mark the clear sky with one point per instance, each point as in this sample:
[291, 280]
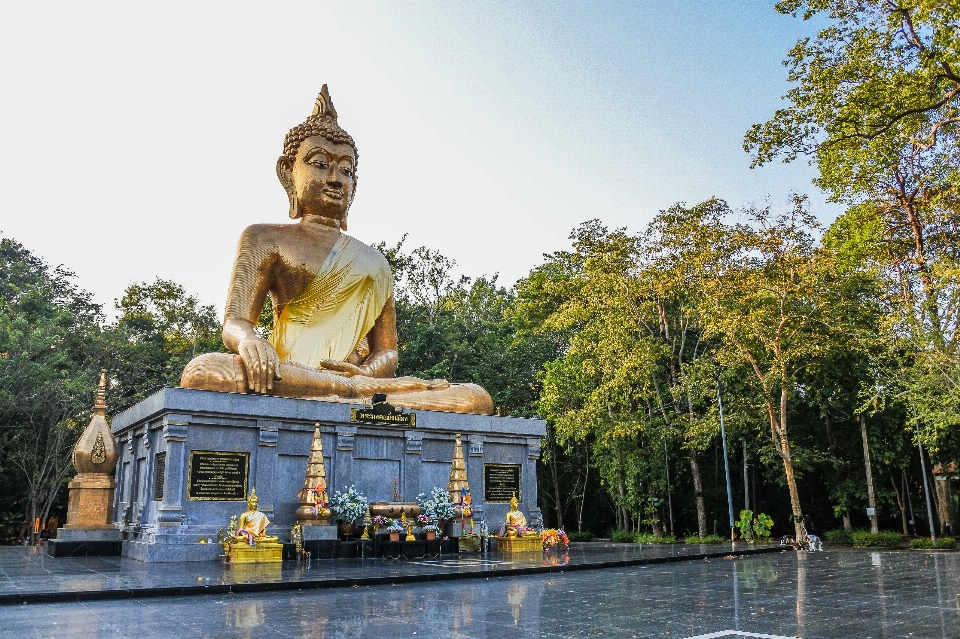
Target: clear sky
[137, 138]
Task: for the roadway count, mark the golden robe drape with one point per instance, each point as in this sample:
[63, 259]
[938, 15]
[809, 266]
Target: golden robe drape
[337, 309]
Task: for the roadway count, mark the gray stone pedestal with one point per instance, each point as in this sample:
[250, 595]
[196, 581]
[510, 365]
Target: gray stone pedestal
[171, 500]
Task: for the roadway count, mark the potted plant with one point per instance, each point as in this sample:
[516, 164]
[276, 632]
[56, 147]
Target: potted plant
[425, 521]
[394, 529]
[378, 522]
[349, 506]
[437, 504]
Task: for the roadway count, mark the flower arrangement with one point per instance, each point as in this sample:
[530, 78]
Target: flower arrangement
[437, 505]
[394, 527]
[431, 528]
[379, 520]
[349, 505]
[318, 495]
[424, 519]
[553, 537]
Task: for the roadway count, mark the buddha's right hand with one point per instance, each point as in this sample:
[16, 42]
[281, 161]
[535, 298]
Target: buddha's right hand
[261, 362]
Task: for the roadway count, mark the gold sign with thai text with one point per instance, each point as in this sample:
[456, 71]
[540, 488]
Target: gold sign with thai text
[218, 475]
[500, 483]
[375, 416]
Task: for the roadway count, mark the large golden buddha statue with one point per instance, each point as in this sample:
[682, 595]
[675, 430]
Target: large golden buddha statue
[335, 333]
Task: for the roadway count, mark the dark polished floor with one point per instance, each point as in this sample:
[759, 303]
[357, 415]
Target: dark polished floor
[848, 594]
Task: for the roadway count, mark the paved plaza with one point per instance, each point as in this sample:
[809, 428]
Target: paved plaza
[838, 593]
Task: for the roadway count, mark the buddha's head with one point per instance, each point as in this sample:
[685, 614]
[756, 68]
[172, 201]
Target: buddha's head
[253, 501]
[318, 165]
[514, 502]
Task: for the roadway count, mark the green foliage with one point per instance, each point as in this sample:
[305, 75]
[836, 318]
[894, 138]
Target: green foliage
[49, 337]
[622, 536]
[866, 539]
[159, 329]
[585, 535]
[839, 537]
[754, 527]
[925, 543]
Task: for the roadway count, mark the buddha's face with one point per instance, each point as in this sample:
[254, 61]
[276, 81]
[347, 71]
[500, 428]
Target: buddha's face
[252, 502]
[322, 177]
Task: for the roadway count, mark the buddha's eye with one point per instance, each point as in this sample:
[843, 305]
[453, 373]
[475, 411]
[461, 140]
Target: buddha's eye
[346, 170]
[320, 163]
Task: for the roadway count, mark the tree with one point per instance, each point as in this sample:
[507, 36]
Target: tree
[160, 328]
[877, 106]
[48, 332]
[775, 303]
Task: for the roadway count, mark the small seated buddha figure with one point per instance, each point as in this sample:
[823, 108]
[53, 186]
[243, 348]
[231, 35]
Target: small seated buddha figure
[334, 332]
[516, 523]
[252, 524]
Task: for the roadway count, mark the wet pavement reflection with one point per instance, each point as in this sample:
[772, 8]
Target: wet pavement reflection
[838, 593]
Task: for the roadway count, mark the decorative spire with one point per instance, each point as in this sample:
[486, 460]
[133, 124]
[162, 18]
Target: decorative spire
[313, 495]
[458, 473]
[323, 106]
[100, 406]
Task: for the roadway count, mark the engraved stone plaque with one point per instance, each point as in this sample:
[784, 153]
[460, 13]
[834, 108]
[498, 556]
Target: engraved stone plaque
[159, 474]
[218, 476]
[500, 482]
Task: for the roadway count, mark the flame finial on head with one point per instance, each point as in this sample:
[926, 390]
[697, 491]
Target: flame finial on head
[324, 105]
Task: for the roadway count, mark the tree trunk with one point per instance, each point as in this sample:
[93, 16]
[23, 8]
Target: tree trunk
[941, 485]
[698, 493]
[846, 520]
[871, 502]
[778, 428]
[900, 505]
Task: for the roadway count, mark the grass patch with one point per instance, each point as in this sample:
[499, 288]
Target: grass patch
[863, 539]
[708, 540]
[647, 538]
[943, 543]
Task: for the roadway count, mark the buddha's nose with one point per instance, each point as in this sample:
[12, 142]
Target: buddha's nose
[333, 176]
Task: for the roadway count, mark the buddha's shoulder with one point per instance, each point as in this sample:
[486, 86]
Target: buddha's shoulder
[368, 251]
[268, 232]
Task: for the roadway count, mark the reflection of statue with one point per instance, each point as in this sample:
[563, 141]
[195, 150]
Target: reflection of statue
[253, 524]
[516, 523]
[335, 334]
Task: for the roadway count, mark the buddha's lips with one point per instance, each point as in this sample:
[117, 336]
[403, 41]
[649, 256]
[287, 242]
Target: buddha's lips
[334, 193]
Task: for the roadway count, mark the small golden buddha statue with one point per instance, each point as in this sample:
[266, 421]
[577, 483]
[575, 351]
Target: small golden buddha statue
[516, 522]
[252, 524]
[335, 329]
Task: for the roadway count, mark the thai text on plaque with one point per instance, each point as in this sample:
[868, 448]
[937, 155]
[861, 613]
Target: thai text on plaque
[500, 482]
[218, 475]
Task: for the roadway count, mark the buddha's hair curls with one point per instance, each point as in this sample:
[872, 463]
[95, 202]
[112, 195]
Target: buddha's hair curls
[317, 125]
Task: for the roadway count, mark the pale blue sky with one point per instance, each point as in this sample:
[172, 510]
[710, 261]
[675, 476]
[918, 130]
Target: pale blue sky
[137, 139]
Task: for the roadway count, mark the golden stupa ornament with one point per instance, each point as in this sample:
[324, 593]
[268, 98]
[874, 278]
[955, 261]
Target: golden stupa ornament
[90, 502]
[458, 486]
[314, 502]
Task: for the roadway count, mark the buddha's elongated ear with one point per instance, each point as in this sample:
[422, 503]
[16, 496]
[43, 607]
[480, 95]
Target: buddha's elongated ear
[284, 174]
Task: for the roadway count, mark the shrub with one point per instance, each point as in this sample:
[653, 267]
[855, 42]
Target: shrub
[922, 542]
[864, 539]
[839, 537]
[709, 539]
[586, 535]
[647, 538]
[926, 543]
[622, 536]
[946, 542]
